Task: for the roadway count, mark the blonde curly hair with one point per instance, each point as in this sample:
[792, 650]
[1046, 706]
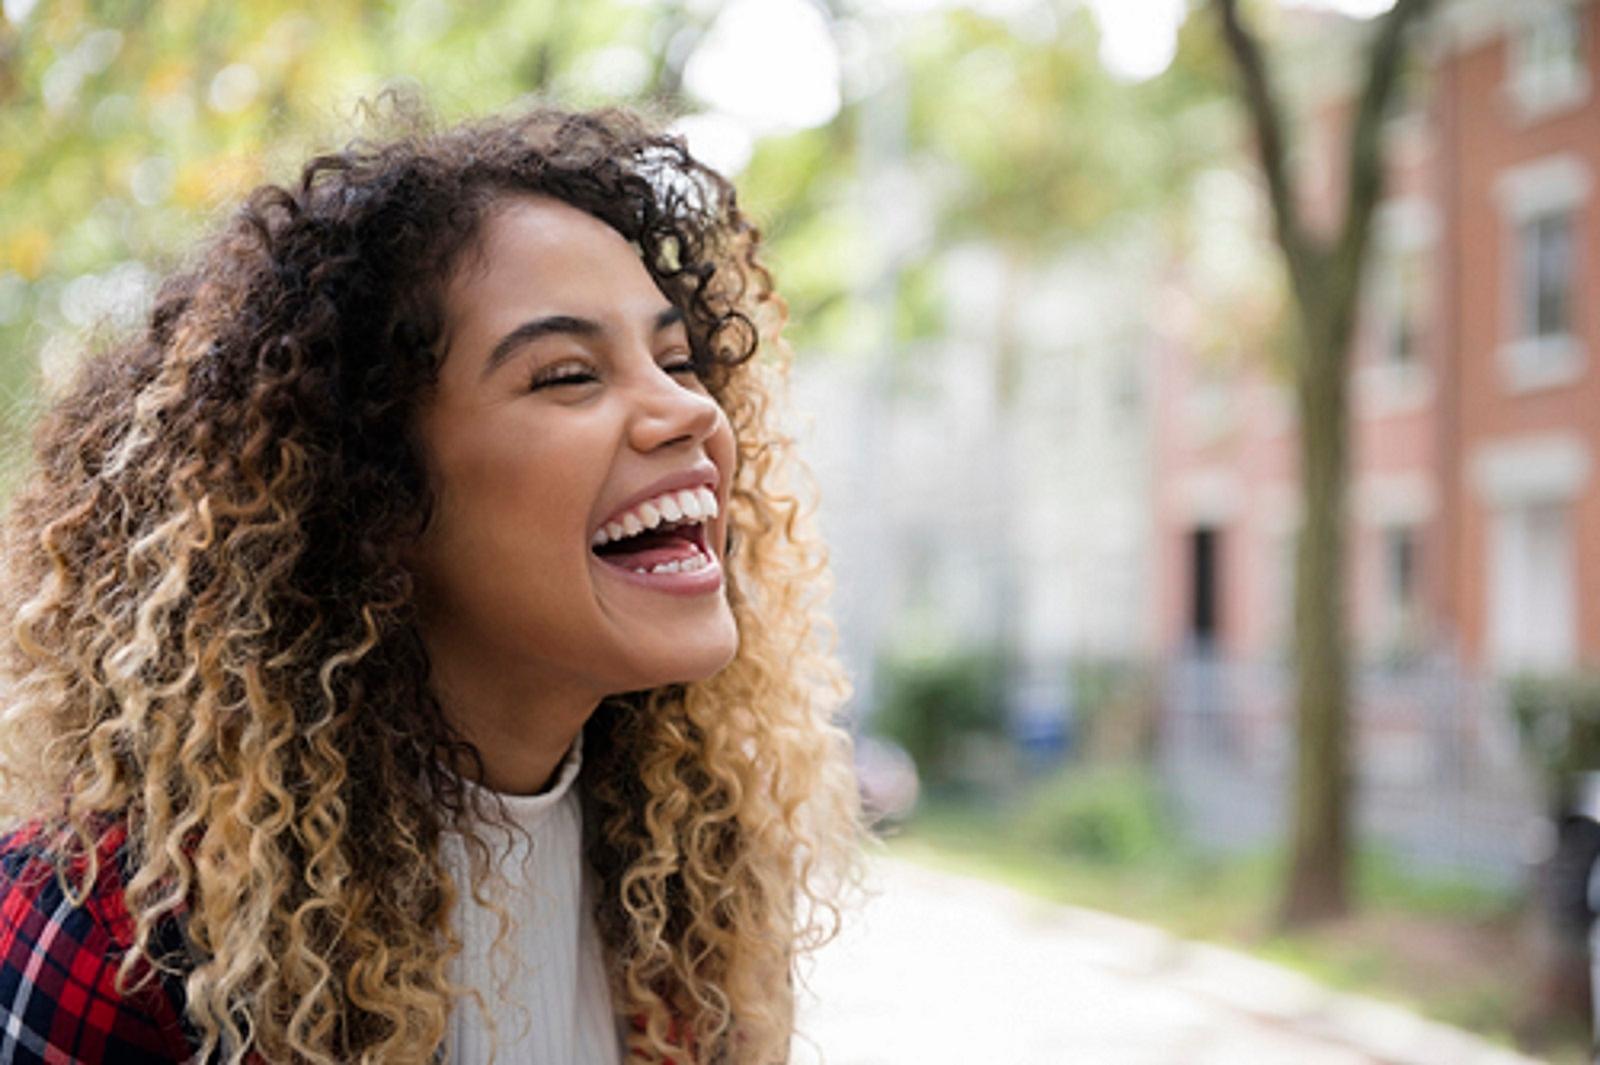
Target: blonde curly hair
[213, 645]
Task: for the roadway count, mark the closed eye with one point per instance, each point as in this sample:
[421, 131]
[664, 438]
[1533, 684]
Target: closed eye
[681, 362]
[562, 374]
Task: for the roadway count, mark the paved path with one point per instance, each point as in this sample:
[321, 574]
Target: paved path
[944, 970]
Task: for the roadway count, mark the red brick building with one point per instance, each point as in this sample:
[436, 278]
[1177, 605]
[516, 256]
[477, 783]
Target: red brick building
[1474, 507]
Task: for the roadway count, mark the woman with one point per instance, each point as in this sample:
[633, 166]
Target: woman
[413, 641]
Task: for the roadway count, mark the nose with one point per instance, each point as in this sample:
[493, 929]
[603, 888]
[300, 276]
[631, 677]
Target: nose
[667, 411]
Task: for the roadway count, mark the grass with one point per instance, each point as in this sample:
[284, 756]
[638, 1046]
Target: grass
[1445, 949]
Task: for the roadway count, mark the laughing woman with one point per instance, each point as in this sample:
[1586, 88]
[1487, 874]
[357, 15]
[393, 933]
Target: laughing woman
[411, 643]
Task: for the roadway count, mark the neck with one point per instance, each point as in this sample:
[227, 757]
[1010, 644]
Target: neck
[521, 737]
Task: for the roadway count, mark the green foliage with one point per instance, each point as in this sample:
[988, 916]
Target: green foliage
[798, 187]
[126, 124]
[1196, 892]
[919, 314]
[1108, 814]
[1385, 880]
[1069, 154]
[1559, 717]
[934, 707]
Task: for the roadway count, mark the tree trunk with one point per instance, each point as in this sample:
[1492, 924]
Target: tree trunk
[1325, 274]
[1318, 886]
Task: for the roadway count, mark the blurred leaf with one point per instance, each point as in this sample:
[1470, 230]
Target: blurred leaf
[27, 251]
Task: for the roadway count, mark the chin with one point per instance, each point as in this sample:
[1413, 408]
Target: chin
[700, 663]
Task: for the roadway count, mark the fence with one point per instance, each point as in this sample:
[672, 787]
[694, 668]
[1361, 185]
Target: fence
[1440, 781]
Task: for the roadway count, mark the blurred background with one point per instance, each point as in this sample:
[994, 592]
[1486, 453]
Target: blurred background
[1061, 355]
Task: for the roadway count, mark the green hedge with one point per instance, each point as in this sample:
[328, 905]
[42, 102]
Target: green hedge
[933, 706]
[1110, 814]
[1559, 715]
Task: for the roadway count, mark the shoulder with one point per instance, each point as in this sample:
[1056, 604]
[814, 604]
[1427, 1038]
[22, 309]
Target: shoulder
[39, 877]
[60, 952]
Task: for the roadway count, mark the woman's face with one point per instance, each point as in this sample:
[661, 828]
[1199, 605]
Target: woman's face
[577, 462]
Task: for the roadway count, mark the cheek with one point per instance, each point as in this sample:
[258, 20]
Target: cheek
[527, 516]
[722, 447]
[507, 504]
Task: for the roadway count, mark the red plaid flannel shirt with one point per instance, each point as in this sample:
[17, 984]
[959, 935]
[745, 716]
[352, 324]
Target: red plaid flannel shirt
[59, 1001]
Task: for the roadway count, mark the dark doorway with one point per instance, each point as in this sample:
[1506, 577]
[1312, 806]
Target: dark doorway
[1205, 587]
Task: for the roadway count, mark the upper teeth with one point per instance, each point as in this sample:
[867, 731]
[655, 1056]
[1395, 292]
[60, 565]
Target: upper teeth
[687, 505]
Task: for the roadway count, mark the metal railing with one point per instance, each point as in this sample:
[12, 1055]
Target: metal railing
[1440, 782]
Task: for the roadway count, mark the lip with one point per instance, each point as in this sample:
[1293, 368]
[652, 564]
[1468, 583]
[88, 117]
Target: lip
[700, 475]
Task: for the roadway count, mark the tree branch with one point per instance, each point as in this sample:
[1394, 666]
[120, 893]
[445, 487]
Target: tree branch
[1366, 176]
[1271, 136]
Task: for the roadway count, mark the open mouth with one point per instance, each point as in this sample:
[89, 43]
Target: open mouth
[662, 536]
[680, 549]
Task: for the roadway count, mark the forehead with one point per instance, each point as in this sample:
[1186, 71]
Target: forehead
[536, 255]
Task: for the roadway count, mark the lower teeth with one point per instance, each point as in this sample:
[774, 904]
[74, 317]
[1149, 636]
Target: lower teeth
[688, 565]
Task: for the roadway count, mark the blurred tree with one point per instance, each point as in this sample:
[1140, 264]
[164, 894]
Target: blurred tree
[1325, 272]
[125, 123]
[798, 186]
[1078, 154]
[1033, 145]
[1029, 146]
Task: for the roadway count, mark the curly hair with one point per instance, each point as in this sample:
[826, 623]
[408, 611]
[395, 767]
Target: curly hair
[213, 640]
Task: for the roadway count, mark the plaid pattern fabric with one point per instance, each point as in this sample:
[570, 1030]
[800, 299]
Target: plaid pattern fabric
[59, 1002]
[678, 1035]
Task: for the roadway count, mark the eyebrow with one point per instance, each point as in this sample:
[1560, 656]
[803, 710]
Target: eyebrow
[563, 325]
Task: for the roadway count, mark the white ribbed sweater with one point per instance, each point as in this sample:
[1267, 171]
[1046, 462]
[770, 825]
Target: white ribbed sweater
[545, 986]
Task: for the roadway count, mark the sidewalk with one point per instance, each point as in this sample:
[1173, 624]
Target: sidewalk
[944, 970]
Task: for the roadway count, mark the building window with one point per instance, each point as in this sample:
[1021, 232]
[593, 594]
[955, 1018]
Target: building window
[1400, 595]
[1544, 271]
[1543, 204]
[1532, 612]
[1393, 374]
[1406, 285]
[1547, 59]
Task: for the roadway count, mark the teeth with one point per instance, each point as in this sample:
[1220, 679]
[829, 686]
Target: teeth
[687, 565]
[690, 504]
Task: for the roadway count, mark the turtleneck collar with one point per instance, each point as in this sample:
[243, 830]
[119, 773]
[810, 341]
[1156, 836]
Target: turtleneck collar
[528, 810]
